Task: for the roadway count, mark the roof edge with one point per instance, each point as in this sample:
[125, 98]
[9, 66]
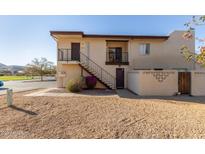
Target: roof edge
[126, 36]
[66, 33]
[52, 33]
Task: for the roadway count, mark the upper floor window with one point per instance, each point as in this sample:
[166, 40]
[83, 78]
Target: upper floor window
[144, 49]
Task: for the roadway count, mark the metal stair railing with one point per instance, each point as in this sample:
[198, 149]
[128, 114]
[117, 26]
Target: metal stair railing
[90, 65]
[97, 70]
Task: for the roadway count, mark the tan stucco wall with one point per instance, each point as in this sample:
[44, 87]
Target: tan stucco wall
[133, 81]
[71, 71]
[199, 67]
[145, 83]
[123, 45]
[96, 52]
[163, 53]
[198, 83]
[66, 72]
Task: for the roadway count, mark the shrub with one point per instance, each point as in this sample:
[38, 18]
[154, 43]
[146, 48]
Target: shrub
[91, 82]
[74, 85]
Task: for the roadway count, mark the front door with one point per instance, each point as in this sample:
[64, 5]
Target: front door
[119, 78]
[75, 51]
[184, 82]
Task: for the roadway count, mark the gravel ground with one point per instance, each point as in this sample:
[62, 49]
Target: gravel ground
[101, 117]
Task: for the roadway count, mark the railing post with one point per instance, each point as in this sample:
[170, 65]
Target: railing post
[101, 73]
[67, 55]
[87, 61]
[58, 54]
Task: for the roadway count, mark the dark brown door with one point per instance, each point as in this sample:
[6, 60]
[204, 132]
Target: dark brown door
[75, 51]
[118, 54]
[184, 82]
[119, 78]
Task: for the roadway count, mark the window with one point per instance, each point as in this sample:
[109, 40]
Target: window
[145, 49]
[115, 54]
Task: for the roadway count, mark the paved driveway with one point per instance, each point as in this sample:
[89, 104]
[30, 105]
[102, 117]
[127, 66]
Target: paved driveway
[18, 86]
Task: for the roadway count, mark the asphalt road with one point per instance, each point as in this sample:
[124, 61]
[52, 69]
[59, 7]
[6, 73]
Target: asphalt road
[18, 86]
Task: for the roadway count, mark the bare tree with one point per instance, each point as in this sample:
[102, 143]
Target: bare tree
[40, 67]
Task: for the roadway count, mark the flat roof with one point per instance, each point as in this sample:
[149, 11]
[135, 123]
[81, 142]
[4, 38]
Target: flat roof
[52, 33]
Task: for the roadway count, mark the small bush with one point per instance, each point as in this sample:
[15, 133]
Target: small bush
[91, 82]
[74, 85]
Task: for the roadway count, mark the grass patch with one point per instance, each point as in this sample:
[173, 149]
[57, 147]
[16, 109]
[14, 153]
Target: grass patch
[15, 78]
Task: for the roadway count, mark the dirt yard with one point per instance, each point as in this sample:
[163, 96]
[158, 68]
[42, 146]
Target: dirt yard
[102, 117]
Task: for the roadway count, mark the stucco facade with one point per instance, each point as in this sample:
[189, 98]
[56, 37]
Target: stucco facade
[153, 83]
[198, 83]
[164, 53]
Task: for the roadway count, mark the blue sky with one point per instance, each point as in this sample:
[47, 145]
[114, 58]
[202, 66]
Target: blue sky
[23, 38]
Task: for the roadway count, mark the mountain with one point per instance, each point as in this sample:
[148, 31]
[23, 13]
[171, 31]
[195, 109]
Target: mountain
[3, 66]
[15, 68]
[11, 68]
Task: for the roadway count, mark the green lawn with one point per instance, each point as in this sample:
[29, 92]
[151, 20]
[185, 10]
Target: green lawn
[14, 78]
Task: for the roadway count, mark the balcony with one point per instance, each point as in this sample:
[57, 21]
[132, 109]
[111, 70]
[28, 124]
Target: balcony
[116, 58]
[66, 55]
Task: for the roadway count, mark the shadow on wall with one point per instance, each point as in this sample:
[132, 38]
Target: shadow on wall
[124, 93]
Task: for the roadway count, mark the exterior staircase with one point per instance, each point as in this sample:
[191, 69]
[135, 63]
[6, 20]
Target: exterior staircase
[90, 66]
[94, 69]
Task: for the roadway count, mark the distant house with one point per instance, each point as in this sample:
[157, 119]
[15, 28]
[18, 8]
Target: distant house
[147, 65]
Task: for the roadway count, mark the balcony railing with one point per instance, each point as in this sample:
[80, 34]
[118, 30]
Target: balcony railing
[113, 58]
[100, 73]
[66, 55]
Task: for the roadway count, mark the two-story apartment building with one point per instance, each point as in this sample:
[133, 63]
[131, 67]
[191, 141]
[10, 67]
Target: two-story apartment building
[112, 57]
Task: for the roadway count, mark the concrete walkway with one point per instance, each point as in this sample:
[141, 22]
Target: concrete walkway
[61, 92]
[124, 93]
